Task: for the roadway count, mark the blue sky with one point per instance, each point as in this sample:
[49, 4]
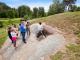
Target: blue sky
[31, 3]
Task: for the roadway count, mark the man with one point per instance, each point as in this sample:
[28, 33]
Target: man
[28, 28]
[23, 31]
[40, 30]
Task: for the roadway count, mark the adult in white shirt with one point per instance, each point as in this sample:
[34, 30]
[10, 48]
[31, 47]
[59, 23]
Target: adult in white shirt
[40, 30]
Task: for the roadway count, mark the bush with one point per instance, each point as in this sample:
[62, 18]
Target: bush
[1, 24]
[26, 17]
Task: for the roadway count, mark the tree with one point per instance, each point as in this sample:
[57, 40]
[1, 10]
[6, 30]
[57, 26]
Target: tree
[16, 14]
[35, 12]
[3, 7]
[24, 10]
[11, 13]
[41, 12]
[73, 8]
[51, 10]
[3, 14]
[68, 4]
[56, 7]
[78, 8]
[3, 10]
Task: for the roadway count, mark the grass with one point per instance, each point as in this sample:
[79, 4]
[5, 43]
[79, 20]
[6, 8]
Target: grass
[72, 53]
[57, 56]
[68, 22]
[3, 36]
[6, 22]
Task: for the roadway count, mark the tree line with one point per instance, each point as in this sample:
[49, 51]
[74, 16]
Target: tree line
[58, 6]
[21, 11]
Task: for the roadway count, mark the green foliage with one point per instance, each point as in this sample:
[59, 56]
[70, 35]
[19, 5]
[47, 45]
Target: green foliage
[56, 7]
[7, 22]
[26, 17]
[35, 12]
[1, 24]
[73, 8]
[78, 8]
[7, 12]
[24, 10]
[3, 7]
[41, 12]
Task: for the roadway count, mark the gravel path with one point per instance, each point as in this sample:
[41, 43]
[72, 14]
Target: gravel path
[34, 49]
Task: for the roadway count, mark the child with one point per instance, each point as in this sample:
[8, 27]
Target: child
[14, 37]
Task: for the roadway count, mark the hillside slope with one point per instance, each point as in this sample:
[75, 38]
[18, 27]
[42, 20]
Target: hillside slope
[69, 21]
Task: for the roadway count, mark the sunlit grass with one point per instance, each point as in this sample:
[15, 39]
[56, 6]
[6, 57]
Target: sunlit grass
[72, 53]
[3, 36]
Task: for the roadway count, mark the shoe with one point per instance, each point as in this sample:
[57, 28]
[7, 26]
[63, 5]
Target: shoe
[25, 42]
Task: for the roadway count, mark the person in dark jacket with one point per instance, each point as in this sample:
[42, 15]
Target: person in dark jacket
[9, 33]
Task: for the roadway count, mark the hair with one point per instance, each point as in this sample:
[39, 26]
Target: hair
[14, 25]
[22, 19]
[9, 28]
[40, 23]
[20, 24]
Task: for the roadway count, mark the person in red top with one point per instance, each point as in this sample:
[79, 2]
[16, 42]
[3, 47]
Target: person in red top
[14, 37]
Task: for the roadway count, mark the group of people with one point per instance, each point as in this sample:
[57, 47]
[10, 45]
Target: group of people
[24, 28]
[13, 31]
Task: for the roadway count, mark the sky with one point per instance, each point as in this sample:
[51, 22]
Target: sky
[31, 3]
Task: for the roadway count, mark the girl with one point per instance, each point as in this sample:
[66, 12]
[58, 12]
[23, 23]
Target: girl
[14, 37]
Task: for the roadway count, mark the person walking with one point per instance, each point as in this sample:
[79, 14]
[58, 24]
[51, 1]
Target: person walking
[14, 37]
[23, 31]
[9, 34]
[28, 28]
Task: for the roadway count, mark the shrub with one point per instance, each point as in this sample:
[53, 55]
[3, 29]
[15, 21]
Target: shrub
[1, 24]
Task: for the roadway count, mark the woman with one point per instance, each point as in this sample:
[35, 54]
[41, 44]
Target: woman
[9, 33]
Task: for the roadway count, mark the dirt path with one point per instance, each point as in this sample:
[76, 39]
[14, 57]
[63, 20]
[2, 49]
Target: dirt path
[34, 49]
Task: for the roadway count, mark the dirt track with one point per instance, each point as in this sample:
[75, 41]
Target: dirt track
[34, 49]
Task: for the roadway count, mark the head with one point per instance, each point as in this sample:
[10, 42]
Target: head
[14, 25]
[12, 30]
[40, 23]
[9, 28]
[22, 20]
[19, 24]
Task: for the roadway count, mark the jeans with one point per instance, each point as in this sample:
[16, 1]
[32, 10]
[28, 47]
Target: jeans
[23, 36]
